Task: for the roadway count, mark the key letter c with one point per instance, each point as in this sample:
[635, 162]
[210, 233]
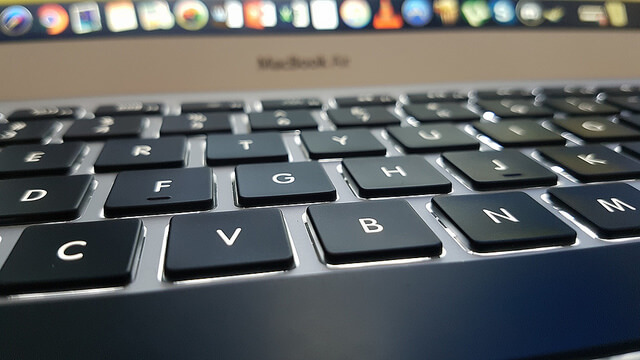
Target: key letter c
[66, 257]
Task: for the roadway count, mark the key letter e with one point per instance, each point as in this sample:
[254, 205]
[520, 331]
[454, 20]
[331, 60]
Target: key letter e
[33, 195]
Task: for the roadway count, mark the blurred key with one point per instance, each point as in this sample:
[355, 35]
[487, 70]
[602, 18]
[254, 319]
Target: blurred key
[20, 132]
[365, 100]
[511, 133]
[597, 129]
[442, 111]
[341, 143]
[213, 106]
[130, 109]
[429, 138]
[39, 160]
[50, 112]
[592, 162]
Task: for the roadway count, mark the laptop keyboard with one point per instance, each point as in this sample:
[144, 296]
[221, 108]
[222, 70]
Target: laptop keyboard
[130, 197]
[164, 164]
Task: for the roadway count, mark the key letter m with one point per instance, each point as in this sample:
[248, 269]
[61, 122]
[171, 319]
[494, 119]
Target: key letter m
[615, 204]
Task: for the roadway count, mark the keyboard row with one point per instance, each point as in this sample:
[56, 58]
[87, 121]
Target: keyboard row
[597, 124]
[104, 253]
[156, 191]
[509, 101]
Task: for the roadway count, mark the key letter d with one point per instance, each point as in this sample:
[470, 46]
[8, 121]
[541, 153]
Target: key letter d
[33, 195]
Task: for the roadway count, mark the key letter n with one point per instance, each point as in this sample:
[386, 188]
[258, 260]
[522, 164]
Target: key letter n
[505, 215]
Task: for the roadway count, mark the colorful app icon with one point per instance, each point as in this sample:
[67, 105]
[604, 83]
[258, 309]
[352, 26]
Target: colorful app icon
[356, 14]
[269, 12]
[155, 15]
[617, 13]
[53, 18]
[15, 20]
[218, 15]
[120, 16]
[324, 14]
[594, 14]
[417, 12]
[386, 18]
[235, 18]
[253, 15]
[476, 12]
[553, 15]
[504, 11]
[301, 17]
[260, 14]
[285, 14]
[447, 10]
[191, 15]
[85, 18]
[529, 13]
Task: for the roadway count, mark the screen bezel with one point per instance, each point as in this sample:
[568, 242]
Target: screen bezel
[77, 68]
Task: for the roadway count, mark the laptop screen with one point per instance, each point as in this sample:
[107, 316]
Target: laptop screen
[103, 48]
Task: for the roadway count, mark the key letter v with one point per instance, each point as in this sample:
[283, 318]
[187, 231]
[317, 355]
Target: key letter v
[226, 239]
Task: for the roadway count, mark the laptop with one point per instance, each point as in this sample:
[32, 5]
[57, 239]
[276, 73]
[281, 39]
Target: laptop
[319, 179]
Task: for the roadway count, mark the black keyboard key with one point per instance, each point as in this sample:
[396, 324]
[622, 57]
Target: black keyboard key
[430, 138]
[511, 133]
[40, 199]
[505, 93]
[38, 160]
[624, 89]
[213, 106]
[581, 106]
[591, 163]
[626, 102]
[507, 169]
[227, 243]
[630, 119]
[290, 104]
[282, 120]
[137, 154]
[362, 116]
[105, 128]
[20, 132]
[510, 108]
[597, 129]
[632, 148]
[49, 112]
[438, 96]
[394, 176]
[570, 91]
[441, 111]
[504, 221]
[130, 109]
[148, 192]
[371, 231]
[341, 143]
[365, 100]
[72, 256]
[282, 183]
[611, 209]
[227, 149]
[195, 123]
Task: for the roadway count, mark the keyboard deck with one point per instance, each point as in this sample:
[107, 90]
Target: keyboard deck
[493, 220]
